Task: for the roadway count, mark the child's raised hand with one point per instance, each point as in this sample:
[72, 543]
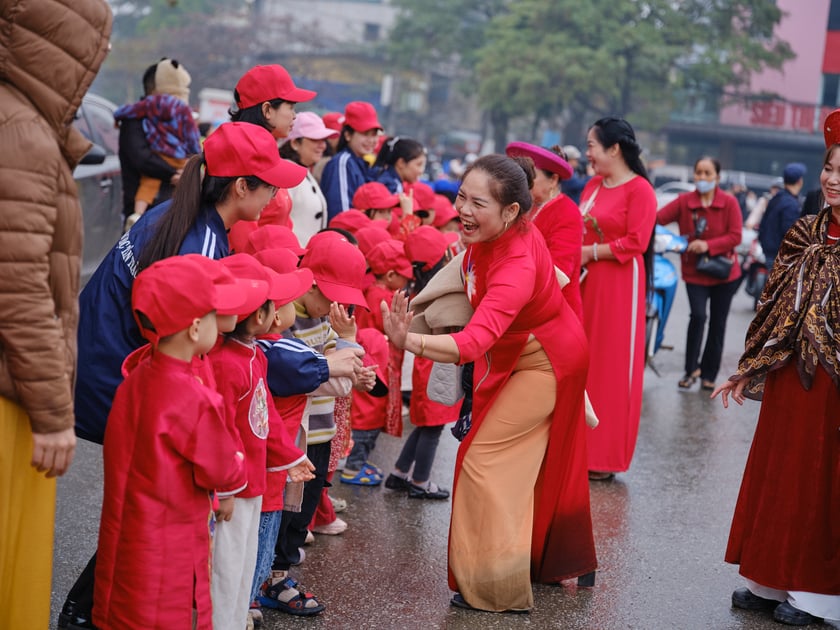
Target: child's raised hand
[407, 202]
[302, 472]
[342, 322]
[225, 511]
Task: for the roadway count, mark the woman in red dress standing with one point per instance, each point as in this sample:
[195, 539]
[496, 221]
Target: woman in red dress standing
[520, 502]
[786, 529]
[556, 216]
[619, 212]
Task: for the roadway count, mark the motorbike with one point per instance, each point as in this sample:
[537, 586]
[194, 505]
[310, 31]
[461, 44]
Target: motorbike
[753, 265]
[661, 298]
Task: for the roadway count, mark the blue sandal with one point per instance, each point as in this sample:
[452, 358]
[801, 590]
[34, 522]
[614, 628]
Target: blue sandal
[365, 477]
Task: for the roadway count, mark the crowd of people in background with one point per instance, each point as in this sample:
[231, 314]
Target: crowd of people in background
[245, 344]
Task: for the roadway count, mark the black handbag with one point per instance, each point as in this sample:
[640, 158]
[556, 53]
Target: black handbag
[719, 266]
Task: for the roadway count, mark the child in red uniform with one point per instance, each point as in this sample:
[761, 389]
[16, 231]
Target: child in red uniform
[428, 249]
[240, 370]
[166, 448]
[371, 414]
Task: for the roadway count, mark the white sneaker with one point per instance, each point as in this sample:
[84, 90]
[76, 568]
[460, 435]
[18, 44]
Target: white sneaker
[309, 538]
[339, 505]
[333, 529]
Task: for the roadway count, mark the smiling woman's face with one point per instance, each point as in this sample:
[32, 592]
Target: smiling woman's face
[482, 217]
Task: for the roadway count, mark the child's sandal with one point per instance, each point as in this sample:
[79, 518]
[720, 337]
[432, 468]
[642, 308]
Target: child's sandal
[302, 604]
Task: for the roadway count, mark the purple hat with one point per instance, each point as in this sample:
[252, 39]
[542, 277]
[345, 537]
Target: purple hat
[543, 158]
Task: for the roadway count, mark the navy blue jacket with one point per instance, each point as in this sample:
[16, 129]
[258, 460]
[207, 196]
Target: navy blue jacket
[388, 177]
[108, 332]
[342, 175]
[782, 211]
[293, 367]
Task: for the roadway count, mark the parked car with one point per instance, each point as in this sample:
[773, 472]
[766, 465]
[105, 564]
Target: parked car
[99, 181]
[666, 193]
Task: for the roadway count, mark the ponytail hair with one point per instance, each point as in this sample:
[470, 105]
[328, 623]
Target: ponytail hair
[610, 131]
[395, 148]
[194, 191]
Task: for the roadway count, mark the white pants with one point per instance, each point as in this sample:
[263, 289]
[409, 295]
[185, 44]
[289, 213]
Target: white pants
[234, 561]
[824, 606]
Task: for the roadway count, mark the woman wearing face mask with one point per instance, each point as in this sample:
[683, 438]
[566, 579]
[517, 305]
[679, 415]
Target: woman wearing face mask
[711, 219]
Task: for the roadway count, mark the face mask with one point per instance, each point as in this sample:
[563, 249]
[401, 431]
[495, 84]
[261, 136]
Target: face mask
[704, 186]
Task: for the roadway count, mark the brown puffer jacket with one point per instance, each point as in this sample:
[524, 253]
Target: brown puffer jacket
[49, 55]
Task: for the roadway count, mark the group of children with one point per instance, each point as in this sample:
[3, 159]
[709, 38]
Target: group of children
[257, 379]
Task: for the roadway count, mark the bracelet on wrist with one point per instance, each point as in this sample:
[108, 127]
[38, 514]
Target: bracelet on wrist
[422, 346]
[595, 252]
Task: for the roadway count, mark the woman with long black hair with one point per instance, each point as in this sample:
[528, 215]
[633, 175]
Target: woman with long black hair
[619, 212]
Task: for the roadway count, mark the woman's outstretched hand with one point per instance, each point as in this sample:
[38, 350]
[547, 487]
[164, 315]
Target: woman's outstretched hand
[396, 319]
[731, 388]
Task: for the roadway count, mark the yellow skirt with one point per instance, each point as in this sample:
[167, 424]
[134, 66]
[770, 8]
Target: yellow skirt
[27, 515]
[493, 506]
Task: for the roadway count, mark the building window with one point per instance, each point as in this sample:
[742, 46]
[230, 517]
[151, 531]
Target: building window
[830, 89]
[371, 32]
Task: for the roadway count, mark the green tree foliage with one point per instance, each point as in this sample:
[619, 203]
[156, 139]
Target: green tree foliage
[631, 58]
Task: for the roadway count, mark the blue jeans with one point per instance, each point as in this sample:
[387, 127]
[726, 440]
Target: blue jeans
[269, 527]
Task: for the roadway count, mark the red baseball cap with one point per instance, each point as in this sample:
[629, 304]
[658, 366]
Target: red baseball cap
[333, 120]
[266, 83]
[374, 196]
[543, 158]
[339, 269]
[326, 235]
[350, 220]
[172, 292]
[266, 284]
[831, 128]
[424, 195]
[239, 149]
[273, 236]
[284, 262]
[370, 236]
[375, 345]
[238, 235]
[361, 116]
[390, 256]
[444, 211]
[426, 245]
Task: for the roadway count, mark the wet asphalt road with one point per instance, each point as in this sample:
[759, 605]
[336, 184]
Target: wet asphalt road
[660, 529]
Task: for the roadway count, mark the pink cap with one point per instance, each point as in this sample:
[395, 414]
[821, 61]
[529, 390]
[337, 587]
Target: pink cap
[361, 116]
[339, 269]
[309, 125]
[266, 83]
[390, 256]
[543, 158]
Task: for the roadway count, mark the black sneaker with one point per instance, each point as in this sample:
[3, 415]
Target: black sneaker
[72, 617]
[745, 599]
[787, 614]
[397, 483]
[431, 492]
